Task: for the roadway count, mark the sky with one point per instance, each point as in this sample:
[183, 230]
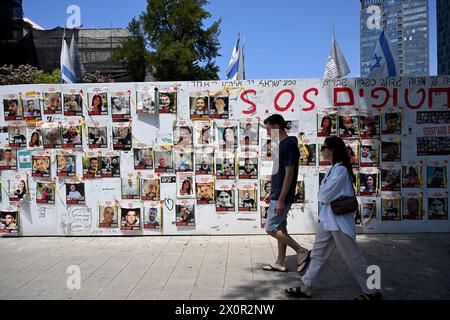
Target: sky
[285, 39]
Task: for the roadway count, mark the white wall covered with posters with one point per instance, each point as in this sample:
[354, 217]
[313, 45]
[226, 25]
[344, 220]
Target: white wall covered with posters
[423, 137]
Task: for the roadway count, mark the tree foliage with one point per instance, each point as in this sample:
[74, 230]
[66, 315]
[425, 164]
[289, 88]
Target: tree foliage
[176, 43]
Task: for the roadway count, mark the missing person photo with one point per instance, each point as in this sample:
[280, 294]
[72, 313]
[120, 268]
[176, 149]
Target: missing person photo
[72, 136]
[52, 103]
[131, 187]
[205, 190]
[368, 184]
[167, 102]
[18, 188]
[51, 136]
[17, 136]
[265, 184]
[185, 213]
[249, 133]
[326, 124]
[143, 159]
[266, 149]
[91, 166]
[32, 109]
[12, 110]
[35, 140]
[322, 161]
[185, 186]
[41, 165]
[391, 123]
[228, 138]
[65, 165]
[437, 208]
[9, 221]
[150, 188]
[45, 192]
[390, 151]
[199, 107]
[122, 137]
[120, 105]
[225, 166]
[219, 106]
[307, 154]
[182, 136]
[368, 210]
[152, 217]
[369, 153]
[247, 199]
[73, 104]
[163, 159]
[390, 179]
[130, 219]
[145, 101]
[369, 126]
[411, 175]
[98, 137]
[299, 192]
[203, 133]
[75, 193]
[225, 200]
[437, 176]
[204, 159]
[412, 207]
[348, 126]
[390, 209]
[352, 150]
[110, 166]
[183, 159]
[108, 215]
[248, 167]
[97, 103]
[8, 159]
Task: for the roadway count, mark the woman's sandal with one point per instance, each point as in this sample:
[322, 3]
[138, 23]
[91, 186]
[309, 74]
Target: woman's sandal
[297, 293]
[305, 263]
[367, 297]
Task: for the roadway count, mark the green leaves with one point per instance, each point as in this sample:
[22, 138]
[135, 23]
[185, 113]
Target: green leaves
[170, 39]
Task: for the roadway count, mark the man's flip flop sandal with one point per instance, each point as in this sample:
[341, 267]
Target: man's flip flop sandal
[272, 268]
[304, 263]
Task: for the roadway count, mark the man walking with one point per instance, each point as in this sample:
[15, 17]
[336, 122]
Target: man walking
[282, 193]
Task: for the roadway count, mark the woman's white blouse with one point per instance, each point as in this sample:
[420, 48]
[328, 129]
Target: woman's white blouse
[336, 184]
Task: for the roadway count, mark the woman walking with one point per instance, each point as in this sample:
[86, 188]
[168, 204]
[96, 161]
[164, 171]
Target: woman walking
[335, 230]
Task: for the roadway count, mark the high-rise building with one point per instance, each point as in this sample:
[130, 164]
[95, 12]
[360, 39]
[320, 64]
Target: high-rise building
[407, 25]
[443, 36]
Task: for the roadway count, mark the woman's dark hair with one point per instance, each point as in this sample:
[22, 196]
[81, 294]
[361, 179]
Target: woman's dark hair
[367, 177]
[337, 146]
[37, 142]
[100, 98]
[329, 127]
[189, 182]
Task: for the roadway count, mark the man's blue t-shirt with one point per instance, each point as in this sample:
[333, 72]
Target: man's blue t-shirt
[288, 154]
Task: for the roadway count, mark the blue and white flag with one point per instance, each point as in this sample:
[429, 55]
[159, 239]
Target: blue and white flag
[384, 62]
[336, 66]
[235, 69]
[76, 61]
[67, 72]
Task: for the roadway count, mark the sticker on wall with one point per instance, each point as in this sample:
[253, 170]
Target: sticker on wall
[368, 210]
[185, 185]
[120, 105]
[51, 134]
[204, 160]
[326, 123]
[247, 197]
[390, 176]
[110, 164]
[225, 197]
[97, 102]
[91, 165]
[203, 133]
[248, 165]
[391, 149]
[185, 213]
[390, 206]
[122, 136]
[369, 153]
[72, 134]
[12, 107]
[348, 125]
[143, 157]
[307, 153]
[199, 105]
[438, 206]
[163, 159]
[369, 125]
[17, 135]
[436, 174]
[98, 135]
[391, 122]
[150, 187]
[8, 158]
[167, 100]
[369, 181]
[65, 165]
[131, 187]
[412, 174]
[18, 187]
[41, 164]
[183, 159]
[412, 203]
[73, 100]
[130, 217]
[248, 132]
[225, 165]
[9, 219]
[219, 105]
[145, 97]
[51, 98]
[75, 193]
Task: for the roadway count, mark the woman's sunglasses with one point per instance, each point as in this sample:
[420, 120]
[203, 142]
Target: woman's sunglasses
[324, 147]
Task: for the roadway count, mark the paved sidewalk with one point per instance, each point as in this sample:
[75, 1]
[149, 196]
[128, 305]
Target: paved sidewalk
[225, 267]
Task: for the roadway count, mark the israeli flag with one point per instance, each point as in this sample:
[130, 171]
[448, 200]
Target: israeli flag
[384, 62]
[67, 71]
[235, 69]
